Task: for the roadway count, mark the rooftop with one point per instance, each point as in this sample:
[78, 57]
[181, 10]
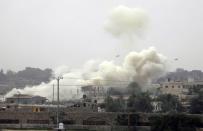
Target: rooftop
[17, 96]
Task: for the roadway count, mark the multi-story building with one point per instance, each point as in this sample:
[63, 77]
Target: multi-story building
[184, 90]
[25, 99]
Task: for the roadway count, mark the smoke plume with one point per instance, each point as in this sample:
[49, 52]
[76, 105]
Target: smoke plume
[140, 67]
[127, 23]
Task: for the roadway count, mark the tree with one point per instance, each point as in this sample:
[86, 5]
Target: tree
[3, 77]
[169, 103]
[134, 88]
[116, 105]
[140, 103]
[35, 75]
[114, 91]
[196, 105]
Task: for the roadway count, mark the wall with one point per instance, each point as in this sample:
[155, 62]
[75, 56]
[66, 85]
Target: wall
[78, 120]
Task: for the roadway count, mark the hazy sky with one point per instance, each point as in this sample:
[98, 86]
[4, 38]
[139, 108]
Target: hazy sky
[48, 33]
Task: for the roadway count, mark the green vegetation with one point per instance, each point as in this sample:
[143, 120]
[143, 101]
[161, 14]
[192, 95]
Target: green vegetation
[28, 76]
[140, 103]
[116, 105]
[197, 104]
[134, 88]
[170, 103]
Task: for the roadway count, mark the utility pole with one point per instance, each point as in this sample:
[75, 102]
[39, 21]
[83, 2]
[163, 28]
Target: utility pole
[18, 97]
[128, 121]
[58, 79]
[53, 95]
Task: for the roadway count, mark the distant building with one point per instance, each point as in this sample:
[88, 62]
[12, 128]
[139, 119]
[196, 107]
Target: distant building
[25, 99]
[174, 88]
[184, 90]
[93, 91]
[180, 88]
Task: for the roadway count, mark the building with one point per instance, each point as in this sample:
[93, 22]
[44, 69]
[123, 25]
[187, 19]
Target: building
[26, 99]
[185, 91]
[180, 88]
[174, 88]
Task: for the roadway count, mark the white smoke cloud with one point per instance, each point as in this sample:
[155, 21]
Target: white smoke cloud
[140, 67]
[68, 86]
[59, 71]
[127, 23]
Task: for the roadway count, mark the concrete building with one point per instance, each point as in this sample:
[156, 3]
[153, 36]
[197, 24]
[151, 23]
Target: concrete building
[185, 91]
[174, 88]
[25, 99]
[180, 89]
